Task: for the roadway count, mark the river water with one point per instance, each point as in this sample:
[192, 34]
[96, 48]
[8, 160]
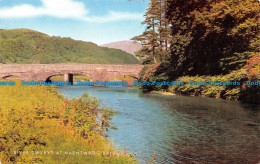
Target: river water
[179, 129]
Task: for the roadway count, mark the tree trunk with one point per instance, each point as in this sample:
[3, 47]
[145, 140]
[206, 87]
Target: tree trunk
[154, 58]
[166, 45]
[153, 44]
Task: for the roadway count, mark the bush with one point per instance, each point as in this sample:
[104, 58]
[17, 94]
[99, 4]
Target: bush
[231, 92]
[38, 119]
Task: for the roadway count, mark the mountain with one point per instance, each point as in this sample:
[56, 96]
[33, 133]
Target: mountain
[127, 46]
[29, 46]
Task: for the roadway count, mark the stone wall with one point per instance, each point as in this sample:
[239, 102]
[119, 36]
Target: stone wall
[101, 72]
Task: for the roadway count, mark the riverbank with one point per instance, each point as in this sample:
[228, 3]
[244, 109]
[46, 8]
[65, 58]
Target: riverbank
[162, 93]
[242, 84]
[247, 93]
[233, 86]
[38, 125]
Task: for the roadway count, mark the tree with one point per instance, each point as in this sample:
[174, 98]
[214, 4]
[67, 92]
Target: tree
[156, 35]
[212, 37]
[163, 29]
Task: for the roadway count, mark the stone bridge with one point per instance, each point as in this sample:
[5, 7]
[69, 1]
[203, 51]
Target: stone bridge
[43, 72]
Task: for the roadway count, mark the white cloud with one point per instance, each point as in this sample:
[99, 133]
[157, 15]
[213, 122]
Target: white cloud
[63, 9]
[56, 8]
[114, 16]
[20, 12]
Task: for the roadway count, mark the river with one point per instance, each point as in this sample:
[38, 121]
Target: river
[179, 129]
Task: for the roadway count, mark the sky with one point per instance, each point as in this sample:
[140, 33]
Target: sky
[97, 21]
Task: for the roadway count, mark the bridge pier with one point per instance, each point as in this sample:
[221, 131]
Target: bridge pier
[68, 77]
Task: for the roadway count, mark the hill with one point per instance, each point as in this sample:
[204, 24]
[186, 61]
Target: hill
[127, 46]
[29, 46]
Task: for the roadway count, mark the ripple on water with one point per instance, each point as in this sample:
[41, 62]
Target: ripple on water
[180, 129]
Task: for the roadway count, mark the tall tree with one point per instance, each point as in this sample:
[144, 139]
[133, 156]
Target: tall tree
[163, 28]
[156, 35]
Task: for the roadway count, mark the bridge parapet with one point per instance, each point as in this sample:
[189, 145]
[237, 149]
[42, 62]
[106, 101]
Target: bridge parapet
[102, 72]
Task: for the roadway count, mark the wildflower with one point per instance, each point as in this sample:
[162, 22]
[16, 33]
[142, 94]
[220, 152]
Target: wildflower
[66, 102]
[154, 158]
[74, 108]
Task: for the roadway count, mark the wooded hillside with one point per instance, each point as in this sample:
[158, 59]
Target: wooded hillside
[28, 46]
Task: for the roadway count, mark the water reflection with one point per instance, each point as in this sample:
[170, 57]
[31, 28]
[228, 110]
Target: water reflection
[180, 129]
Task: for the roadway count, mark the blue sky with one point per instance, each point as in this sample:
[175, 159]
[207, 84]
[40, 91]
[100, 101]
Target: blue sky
[98, 21]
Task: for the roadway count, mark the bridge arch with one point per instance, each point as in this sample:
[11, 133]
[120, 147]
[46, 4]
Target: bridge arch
[48, 79]
[67, 76]
[10, 76]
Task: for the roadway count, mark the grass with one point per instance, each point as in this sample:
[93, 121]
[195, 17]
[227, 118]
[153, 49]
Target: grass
[38, 119]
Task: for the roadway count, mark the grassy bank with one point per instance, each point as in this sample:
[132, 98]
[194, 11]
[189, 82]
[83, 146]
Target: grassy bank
[216, 91]
[232, 86]
[37, 125]
[240, 88]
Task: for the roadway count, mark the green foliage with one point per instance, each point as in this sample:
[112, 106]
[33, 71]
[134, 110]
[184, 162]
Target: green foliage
[143, 73]
[212, 41]
[28, 46]
[149, 74]
[230, 92]
[36, 119]
[156, 36]
[238, 60]
[212, 37]
[84, 116]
